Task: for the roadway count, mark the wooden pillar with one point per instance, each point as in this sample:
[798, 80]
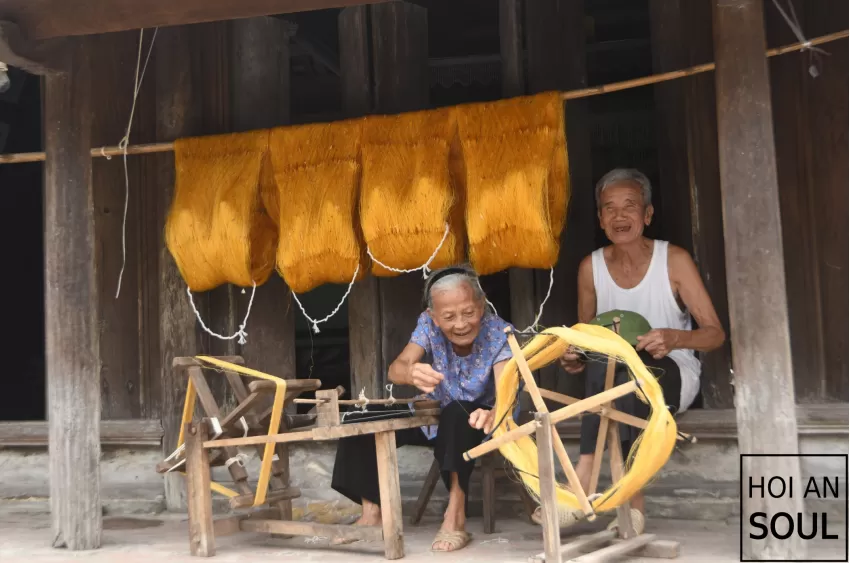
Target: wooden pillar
[523, 303]
[400, 66]
[191, 99]
[260, 98]
[555, 40]
[364, 302]
[70, 289]
[764, 386]
[689, 188]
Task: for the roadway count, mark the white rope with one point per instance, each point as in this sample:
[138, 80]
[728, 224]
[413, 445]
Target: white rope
[424, 267]
[240, 334]
[389, 387]
[125, 142]
[533, 327]
[239, 459]
[315, 323]
[794, 23]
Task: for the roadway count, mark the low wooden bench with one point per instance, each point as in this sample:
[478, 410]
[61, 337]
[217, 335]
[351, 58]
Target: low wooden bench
[214, 439]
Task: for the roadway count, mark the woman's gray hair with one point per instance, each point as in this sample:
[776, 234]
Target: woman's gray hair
[625, 175]
[450, 278]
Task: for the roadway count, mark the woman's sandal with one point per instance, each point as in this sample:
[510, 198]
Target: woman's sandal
[638, 522]
[456, 540]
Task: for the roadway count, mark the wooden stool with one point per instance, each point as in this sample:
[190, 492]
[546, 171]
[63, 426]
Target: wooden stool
[488, 465]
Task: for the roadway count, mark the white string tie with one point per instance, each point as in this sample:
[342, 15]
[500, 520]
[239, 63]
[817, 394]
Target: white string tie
[315, 323]
[244, 424]
[389, 387]
[240, 334]
[533, 327]
[125, 142]
[806, 45]
[239, 459]
[362, 397]
[424, 267]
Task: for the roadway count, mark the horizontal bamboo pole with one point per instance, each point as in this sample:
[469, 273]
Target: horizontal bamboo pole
[149, 148]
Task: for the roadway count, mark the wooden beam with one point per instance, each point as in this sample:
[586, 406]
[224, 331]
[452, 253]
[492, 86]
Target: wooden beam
[758, 311]
[259, 65]
[35, 57]
[400, 66]
[555, 41]
[689, 189]
[70, 293]
[139, 432]
[190, 99]
[364, 302]
[41, 19]
[201, 526]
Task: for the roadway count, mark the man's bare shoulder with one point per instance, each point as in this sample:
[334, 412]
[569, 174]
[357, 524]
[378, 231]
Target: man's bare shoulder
[679, 260]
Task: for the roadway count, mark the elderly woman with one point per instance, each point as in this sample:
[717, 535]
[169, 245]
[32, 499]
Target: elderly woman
[656, 280]
[468, 349]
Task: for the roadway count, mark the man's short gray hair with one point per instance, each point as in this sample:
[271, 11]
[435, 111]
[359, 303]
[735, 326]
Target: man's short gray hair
[625, 175]
[450, 278]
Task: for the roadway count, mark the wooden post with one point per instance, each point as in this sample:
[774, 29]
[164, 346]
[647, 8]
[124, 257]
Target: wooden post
[689, 179]
[259, 69]
[185, 106]
[400, 66]
[390, 492]
[548, 500]
[201, 529]
[555, 40]
[513, 84]
[764, 386]
[70, 294]
[364, 303]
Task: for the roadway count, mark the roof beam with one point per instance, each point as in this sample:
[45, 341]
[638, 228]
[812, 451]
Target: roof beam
[43, 19]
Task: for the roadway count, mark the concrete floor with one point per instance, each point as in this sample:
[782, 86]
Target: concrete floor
[25, 538]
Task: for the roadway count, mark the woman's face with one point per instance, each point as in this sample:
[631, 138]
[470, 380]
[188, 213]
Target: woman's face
[457, 313]
[622, 213]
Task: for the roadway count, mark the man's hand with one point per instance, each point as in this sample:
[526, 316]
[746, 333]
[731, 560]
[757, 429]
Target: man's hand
[572, 362]
[482, 419]
[659, 342]
[425, 377]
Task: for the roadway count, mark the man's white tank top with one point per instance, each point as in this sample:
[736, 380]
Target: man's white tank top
[653, 299]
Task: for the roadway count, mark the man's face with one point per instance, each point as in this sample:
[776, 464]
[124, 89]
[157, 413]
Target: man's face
[457, 313]
[622, 213]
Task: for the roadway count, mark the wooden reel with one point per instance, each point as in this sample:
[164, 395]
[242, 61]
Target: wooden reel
[548, 441]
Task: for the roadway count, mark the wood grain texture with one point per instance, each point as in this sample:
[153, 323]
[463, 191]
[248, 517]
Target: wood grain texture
[390, 489]
[548, 500]
[688, 166]
[260, 98]
[364, 302]
[72, 346]
[137, 432]
[186, 105]
[556, 60]
[764, 384]
[400, 74]
[40, 19]
[201, 526]
[330, 531]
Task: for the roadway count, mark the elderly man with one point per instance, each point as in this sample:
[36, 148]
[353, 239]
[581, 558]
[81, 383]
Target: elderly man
[656, 280]
[468, 349]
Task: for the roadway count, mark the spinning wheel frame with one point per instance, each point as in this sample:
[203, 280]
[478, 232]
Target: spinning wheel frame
[651, 451]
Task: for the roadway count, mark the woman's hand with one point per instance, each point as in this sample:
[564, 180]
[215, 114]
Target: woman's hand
[659, 342]
[482, 419]
[425, 377]
[572, 362]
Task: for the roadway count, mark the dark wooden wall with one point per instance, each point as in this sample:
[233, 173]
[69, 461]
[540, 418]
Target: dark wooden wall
[810, 117]
[190, 89]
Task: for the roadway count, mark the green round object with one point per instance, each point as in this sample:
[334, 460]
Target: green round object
[632, 324]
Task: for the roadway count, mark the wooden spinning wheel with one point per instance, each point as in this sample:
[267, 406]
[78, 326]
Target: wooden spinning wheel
[513, 441]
